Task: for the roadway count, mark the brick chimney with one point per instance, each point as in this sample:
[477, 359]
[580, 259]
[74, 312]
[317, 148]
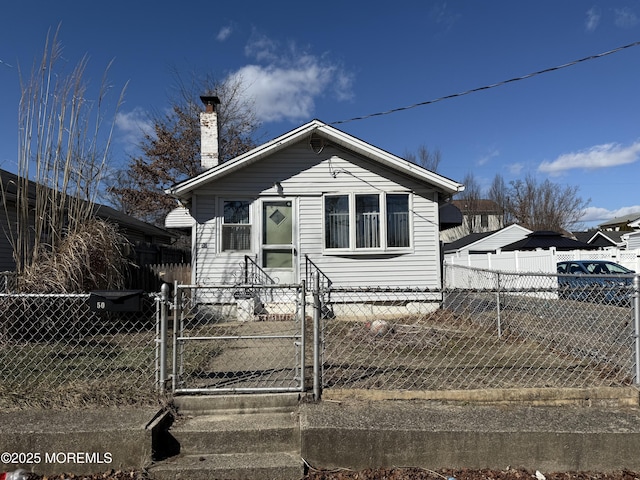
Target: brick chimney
[209, 133]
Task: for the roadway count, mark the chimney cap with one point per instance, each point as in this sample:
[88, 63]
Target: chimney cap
[210, 100]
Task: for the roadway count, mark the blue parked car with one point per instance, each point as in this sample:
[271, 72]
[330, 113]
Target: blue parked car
[595, 281]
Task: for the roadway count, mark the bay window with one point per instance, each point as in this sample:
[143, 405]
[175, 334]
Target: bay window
[367, 221]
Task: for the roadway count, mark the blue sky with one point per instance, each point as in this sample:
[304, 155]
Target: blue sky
[337, 60]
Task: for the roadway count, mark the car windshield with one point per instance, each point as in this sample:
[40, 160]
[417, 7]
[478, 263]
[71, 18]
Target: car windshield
[605, 268]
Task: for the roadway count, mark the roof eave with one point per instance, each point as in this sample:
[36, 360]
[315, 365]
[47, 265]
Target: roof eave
[183, 190]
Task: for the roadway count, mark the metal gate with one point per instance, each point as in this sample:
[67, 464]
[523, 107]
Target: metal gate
[240, 338]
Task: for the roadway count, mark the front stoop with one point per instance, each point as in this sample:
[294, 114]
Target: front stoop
[232, 437]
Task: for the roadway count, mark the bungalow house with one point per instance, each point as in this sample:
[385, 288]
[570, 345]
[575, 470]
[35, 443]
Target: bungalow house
[313, 199]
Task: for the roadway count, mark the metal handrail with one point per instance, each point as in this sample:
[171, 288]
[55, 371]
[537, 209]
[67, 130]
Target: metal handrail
[257, 276]
[310, 270]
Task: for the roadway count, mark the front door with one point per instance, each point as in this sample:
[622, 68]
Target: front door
[278, 251]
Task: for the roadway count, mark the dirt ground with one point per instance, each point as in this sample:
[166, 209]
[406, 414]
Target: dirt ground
[388, 474]
[423, 474]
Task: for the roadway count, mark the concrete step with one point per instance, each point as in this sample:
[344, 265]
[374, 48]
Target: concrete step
[233, 437]
[255, 403]
[237, 433]
[257, 466]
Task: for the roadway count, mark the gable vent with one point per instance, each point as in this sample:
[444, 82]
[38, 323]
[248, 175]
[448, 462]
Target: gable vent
[316, 143]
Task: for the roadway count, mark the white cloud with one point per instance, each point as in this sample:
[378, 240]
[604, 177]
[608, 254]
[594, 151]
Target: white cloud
[224, 33]
[262, 48]
[494, 152]
[625, 18]
[593, 19]
[133, 126]
[598, 156]
[515, 168]
[599, 215]
[285, 83]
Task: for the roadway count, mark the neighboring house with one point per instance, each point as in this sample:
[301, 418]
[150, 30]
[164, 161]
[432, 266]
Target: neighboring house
[633, 240]
[608, 239]
[479, 216]
[584, 236]
[604, 239]
[626, 223]
[487, 241]
[314, 198]
[150, 242]
[544, 240]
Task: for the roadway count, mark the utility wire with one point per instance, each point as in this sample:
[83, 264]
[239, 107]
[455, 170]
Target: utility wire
[487, 87]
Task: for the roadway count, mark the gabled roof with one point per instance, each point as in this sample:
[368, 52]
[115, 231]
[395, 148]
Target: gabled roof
[476, 238]
[584, 236]
[623, 220]
[613, 237]
[184, 189]
[466, 241]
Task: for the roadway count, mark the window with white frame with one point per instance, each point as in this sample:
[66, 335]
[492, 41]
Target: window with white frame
[378, 221]
[236, 225]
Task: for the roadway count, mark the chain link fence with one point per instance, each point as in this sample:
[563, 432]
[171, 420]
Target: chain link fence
[238, 338]
[484, 329]
[492, 330]
[57, 351]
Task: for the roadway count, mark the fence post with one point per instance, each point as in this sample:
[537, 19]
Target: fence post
[636, 324]
[164, 296]
[499, 320]
[302, 299]
[177, 314]
[316, 336]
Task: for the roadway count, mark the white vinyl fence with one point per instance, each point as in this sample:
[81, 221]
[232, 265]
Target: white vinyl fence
[540, 261]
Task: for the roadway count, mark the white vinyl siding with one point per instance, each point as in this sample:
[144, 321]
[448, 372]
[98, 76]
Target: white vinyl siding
[310, 177]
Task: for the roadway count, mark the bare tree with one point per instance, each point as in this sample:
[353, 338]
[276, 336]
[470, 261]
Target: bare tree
[60, 167]
[545, 205]
[499, 194]
[171, 152]
[470, 198]
[425, 158]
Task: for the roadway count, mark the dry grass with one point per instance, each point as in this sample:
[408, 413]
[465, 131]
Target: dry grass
[89, 258]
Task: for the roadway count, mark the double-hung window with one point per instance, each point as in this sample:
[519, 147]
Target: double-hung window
[366, 221]
[236, 225]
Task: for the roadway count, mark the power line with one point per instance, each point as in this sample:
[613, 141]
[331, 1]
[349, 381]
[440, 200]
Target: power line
[494, 85]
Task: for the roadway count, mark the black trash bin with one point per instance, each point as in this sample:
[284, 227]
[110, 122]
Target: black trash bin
[116, 300]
